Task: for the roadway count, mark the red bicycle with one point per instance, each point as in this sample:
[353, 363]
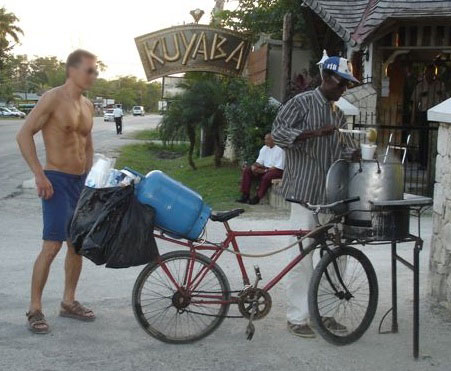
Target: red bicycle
[184, 295]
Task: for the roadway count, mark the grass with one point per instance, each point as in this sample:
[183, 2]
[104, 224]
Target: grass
[151, 134]
[217, 186]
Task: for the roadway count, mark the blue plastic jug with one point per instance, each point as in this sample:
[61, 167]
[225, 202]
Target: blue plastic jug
[178, 209]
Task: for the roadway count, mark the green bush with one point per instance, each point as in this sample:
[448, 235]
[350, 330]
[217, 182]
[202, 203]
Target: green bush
[250, 115]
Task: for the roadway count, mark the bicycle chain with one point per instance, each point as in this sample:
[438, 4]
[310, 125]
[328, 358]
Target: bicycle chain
[210, 315]
[215, 315]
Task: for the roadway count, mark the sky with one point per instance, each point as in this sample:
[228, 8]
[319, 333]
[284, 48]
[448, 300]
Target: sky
[106, 28]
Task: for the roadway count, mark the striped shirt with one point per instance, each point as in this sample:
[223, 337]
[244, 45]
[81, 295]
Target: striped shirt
[307, 162]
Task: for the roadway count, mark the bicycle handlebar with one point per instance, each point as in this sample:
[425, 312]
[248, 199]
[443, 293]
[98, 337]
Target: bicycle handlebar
[327, 206]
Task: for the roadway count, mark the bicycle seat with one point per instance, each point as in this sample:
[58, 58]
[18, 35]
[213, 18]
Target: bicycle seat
[223, 216]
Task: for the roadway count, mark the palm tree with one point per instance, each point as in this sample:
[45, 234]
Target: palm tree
[201, 105]
[8, 30]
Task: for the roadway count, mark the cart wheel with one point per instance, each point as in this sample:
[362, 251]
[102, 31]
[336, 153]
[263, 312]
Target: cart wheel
[343, 295]
[176, 313]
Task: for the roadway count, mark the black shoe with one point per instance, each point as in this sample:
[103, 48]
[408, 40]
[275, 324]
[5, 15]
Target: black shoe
[243, 199]
[254, 200]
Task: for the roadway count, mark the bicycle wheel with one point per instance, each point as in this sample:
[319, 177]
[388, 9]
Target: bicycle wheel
[169, 310]
[343, 295]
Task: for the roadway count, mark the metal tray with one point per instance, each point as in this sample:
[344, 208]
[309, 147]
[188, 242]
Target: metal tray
[408, 200]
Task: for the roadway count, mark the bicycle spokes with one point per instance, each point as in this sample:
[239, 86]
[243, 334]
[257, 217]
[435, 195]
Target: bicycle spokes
[343, 295]
[169, 308]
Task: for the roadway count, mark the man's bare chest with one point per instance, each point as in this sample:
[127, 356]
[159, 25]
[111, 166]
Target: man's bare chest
[73, 118]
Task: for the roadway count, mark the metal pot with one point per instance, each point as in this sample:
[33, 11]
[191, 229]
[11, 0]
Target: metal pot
[371, 181]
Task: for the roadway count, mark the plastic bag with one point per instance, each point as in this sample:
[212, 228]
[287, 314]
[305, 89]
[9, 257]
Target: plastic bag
[110, 226]
[100, 171]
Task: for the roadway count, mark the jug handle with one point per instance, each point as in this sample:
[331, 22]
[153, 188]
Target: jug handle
[134, 172]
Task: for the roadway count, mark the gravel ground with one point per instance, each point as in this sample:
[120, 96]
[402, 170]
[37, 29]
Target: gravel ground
[116, 342]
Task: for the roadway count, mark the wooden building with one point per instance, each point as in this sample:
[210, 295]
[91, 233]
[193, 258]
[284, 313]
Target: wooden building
[388, 41]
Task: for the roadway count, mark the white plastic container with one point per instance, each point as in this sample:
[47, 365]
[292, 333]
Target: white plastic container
[368, 151]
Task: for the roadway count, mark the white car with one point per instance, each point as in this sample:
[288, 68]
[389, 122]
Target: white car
[17, 112]
[138, 111]
[6, 112]
[108, 115]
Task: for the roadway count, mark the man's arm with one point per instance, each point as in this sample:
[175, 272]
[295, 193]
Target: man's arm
[288, 124]
[35, 121]
[89, 153]
[259, 165]
[288, 130]
[89, 145]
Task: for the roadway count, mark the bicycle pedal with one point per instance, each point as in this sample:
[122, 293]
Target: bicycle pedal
[250, 331]
[257, 272]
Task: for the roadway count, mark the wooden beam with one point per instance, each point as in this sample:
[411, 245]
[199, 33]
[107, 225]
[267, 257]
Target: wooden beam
[287, 51]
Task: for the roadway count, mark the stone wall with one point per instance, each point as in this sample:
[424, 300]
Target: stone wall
[440, 258]
[364, 97]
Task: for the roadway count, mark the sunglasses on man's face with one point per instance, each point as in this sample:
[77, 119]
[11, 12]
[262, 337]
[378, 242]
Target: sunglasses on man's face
[92, 71]
[341, 83]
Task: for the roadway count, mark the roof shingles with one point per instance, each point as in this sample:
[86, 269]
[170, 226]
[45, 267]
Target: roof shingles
[355, 20]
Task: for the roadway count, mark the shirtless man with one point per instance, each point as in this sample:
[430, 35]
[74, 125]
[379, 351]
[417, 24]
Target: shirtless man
[64, 116]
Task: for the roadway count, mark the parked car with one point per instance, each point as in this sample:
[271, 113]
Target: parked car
[6, 112]
[138, 111]
[17, 112]
[108, 115]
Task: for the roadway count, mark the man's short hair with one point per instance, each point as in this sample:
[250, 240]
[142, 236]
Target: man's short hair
[75, 58]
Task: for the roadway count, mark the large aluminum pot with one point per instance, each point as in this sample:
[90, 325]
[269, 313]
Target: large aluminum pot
[370, 180]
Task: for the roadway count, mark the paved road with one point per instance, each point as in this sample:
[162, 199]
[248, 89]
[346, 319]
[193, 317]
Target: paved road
[13, 169]
[115, 342]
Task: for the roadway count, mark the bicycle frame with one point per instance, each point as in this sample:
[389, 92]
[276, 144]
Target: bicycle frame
[191, 283]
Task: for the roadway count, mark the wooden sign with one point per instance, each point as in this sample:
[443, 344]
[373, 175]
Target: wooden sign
[192, 48]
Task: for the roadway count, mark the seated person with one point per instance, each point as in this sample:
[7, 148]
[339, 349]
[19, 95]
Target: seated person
[269, 166]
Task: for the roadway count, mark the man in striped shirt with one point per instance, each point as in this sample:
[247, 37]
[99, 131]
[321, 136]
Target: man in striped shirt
[306, 128]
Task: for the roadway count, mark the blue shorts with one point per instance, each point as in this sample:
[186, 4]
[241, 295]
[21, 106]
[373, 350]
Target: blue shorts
[57, 211]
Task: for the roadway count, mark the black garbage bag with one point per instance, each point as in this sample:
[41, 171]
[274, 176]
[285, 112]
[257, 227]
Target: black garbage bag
[111, 227]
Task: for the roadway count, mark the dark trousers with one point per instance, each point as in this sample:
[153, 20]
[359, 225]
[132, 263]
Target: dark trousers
[265, 181]
[118, 121]
[423, 140]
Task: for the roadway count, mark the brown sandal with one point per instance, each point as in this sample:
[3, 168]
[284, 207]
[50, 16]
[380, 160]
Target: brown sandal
[77, 311]
[37, 323]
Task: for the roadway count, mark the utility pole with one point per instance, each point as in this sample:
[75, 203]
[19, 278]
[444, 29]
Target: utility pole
[287, 51]
[219, 5]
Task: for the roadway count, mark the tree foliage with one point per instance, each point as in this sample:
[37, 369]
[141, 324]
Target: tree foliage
[129, 91]
[225, 106]
[250, 115]
[262, 16]
[43, 73]
[201, 105]
[9, 34]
